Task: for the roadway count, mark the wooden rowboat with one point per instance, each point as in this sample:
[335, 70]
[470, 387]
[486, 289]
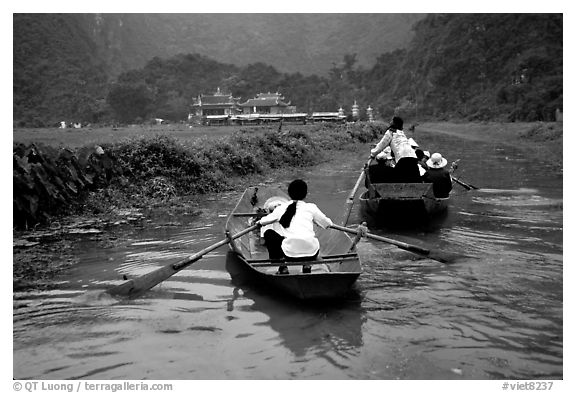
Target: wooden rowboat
[401, 203]
[333, 273]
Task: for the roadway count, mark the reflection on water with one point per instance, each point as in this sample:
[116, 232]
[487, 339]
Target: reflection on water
[306, 329]
[496, 315]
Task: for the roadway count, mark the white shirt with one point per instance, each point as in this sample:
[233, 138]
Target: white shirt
[300, 238]
[398, 143]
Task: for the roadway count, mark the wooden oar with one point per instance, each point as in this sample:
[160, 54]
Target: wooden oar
[465, 185]
[440, 256]
[138, 285]
[350, 200]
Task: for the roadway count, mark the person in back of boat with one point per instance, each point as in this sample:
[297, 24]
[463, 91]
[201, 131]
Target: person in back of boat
[422, 158]
[439, 176]
[381, 170]
[406, 168]
[294, 239]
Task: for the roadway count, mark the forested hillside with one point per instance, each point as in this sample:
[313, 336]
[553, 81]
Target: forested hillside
[479, 67]
[470, 66]
[58, 74]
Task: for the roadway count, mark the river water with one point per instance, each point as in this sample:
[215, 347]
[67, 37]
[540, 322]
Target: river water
[495, 314]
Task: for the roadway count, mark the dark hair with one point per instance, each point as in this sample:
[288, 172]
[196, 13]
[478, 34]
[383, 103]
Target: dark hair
[297, 190]
[397, 123]
[419, 154]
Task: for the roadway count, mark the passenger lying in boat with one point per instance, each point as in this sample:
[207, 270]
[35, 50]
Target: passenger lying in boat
[294, 239]
[439, 176]
[406, 169]
[269, 206]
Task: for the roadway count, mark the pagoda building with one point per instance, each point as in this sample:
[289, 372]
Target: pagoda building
[264, 103]
[355, 111]
[218, 104]
[370, 113]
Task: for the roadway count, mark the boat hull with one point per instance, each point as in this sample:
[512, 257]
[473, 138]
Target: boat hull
[312, 286]
[401, 204]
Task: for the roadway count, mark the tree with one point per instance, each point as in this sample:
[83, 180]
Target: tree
[130, 101]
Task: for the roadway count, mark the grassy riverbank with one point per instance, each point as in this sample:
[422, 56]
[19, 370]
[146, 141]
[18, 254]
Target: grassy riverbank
[163, 169]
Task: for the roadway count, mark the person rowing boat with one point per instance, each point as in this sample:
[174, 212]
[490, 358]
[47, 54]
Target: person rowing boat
[406, 168]
[294, 238]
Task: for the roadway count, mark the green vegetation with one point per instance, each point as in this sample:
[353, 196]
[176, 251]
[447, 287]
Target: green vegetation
[57, 73]
[50, 181]
[481, 67]
[505, 67]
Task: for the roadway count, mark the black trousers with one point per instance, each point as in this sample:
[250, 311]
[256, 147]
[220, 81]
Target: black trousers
[380, 173]
[274, 245]
[406, 171]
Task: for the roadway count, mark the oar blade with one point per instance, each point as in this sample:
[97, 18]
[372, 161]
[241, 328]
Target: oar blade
[141, 284]
[138, 285]
[467, 186]
[440, 256]
[446, 257]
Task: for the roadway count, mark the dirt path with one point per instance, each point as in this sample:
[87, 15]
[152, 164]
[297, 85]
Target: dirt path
[543, 141]
[504, 132]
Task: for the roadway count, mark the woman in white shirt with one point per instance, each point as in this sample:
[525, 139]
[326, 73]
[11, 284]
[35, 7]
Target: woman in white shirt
[406, 169]
[294, 239]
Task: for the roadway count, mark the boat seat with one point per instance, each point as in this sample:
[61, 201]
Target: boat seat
[402, 190]
[320, 268]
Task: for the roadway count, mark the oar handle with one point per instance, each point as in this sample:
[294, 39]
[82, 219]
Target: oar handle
[193, 258]
[350, 200]
[405, 246]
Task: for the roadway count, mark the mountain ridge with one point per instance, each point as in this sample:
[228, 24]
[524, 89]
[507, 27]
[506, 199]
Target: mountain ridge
[305, 43]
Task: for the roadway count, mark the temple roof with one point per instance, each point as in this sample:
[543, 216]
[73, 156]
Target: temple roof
[218, 98]
[268, 101]
[207, 100]
[270, 95]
